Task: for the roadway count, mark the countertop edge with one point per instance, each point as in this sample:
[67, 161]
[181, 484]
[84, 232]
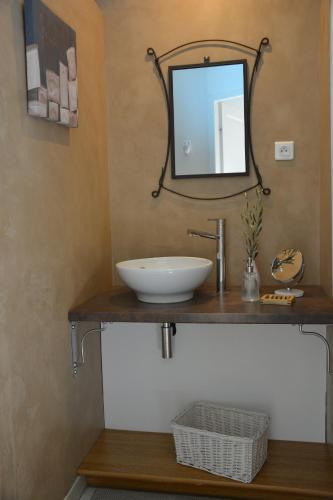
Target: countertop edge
[121, 305]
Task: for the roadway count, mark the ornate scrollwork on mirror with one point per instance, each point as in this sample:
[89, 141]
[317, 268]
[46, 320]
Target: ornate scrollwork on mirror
[209, 117]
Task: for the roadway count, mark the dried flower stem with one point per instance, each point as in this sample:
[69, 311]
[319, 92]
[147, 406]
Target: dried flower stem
[252, 219]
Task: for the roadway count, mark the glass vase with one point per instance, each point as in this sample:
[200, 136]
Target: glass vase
[251, 282]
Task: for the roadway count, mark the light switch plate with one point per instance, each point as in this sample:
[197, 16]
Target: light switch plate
[284, 150]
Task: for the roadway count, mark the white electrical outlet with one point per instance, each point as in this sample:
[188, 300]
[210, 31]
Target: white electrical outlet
[284, 150]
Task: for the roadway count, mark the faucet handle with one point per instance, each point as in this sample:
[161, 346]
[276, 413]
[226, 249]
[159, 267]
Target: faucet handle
[218, 220]
[220, 224]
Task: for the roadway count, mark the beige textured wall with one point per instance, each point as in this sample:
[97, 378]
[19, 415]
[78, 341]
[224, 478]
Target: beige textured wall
[286, 106]
[325, 161]
[55, 251]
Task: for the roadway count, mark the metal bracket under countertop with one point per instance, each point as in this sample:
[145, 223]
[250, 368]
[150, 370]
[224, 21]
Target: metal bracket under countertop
[327, 345]
[168, 330]
[78, 342]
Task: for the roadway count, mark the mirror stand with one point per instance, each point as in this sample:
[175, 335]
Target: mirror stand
[296, 292]
[288, 268]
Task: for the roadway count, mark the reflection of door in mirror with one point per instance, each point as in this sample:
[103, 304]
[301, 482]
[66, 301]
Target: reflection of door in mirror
[208, 104]
[229, 135]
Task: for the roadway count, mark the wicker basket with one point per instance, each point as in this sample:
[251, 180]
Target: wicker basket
[224, 441]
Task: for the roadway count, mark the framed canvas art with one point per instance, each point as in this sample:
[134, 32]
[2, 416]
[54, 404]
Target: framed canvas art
[51, 65]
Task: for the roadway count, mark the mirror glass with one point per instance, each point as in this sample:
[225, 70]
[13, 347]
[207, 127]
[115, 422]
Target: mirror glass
[209, 119]
[288, 268]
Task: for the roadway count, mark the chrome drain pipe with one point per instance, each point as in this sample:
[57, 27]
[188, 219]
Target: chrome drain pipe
[168, 331]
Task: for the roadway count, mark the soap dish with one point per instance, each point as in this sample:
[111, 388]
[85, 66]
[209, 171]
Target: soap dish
[279, 300]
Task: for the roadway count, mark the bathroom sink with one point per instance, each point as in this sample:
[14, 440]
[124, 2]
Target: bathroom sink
[164, 279]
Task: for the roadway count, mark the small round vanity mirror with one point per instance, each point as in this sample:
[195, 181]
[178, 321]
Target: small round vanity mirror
[288, 268]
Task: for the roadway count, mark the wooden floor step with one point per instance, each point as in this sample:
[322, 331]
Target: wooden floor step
[146, 461]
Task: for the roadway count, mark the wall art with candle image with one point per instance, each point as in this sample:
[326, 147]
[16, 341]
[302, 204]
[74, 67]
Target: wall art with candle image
[51, 65]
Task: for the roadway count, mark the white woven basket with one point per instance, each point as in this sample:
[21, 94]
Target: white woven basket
[224, 441]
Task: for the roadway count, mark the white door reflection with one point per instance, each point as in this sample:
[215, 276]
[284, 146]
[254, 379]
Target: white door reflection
[229, 135]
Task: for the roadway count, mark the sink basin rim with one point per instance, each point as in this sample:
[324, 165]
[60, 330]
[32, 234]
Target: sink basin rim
[175, 263]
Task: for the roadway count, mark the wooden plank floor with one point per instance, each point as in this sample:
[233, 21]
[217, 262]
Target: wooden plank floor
[146, 461]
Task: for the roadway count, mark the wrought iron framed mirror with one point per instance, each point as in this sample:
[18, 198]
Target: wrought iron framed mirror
[222, 159]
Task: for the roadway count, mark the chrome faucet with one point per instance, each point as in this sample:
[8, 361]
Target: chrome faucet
[220, 254]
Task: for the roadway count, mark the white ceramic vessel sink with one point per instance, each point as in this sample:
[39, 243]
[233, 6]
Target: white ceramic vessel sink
[164, 279]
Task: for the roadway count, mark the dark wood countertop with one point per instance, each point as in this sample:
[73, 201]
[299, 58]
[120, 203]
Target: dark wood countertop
[121, 305]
